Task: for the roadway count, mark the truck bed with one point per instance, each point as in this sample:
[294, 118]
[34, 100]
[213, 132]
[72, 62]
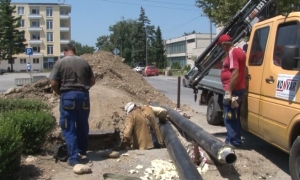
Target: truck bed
[212, 81]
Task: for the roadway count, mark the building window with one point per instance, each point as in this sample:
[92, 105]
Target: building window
[49, 24]
[177, 47]
[35, 11]
[35, 36]
[22, 22]
[22, 61]
[190, 41]
[49, 11]
[50, 37]
[36, 60]
[20, 10]
[49, 49]
[35, 24]
[36, 49]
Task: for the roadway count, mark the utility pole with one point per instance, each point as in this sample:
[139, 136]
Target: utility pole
[210, 30]
[146, 48]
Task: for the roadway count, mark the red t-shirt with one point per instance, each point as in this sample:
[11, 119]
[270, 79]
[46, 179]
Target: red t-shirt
[235, 59]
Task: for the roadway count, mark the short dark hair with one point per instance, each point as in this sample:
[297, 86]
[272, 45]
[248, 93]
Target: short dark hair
[70, 46]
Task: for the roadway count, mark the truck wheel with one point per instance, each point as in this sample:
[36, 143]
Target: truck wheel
[294, 161]
[213, 117]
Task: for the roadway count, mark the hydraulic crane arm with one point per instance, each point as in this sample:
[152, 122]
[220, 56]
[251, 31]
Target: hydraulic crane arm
[237, 28]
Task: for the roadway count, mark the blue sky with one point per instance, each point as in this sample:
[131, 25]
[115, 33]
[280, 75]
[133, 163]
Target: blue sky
[92, 18]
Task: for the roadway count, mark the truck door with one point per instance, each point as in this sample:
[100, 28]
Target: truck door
[255, 65]
[279, 102]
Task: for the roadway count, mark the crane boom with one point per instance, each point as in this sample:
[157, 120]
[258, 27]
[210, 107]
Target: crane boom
[238, 27]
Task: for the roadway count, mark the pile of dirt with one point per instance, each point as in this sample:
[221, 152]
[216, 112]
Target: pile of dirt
[116, 84]
[111, 72]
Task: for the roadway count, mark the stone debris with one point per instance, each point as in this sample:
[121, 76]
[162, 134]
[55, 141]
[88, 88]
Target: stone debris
[139, 167]
[160, 169]
[203, 169]
[133, 171]
[81, 169]
[31, 159]
[111, 154]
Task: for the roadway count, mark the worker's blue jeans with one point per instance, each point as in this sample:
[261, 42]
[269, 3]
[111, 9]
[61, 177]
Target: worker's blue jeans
[232, 119]
[74, 114]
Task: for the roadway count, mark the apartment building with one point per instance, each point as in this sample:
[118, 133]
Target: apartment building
[47, 29]
[186, 48]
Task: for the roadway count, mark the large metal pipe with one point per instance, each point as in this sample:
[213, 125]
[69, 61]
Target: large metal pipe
[212, 145]
[185, 167]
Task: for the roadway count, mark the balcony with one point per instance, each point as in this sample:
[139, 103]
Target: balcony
[32, 29]
[37, 53]
[64, 16]
[35, 41]
[64, 29]
[64, 41]
[34, 16]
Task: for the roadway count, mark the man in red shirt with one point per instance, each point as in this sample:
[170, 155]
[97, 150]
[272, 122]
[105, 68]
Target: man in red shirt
[234, 84]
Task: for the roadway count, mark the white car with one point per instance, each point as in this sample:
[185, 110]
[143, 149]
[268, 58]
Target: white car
[139, 69]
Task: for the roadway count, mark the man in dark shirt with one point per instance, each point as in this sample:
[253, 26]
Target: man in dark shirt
[71, 78]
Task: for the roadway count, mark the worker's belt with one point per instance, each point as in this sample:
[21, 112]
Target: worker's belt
[69, 90]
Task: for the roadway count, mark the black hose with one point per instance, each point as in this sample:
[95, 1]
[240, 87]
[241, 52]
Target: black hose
[185, 167]
[212, 145]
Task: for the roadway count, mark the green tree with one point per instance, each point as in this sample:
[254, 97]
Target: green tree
[185, 34]
[158, 50]
[129, 36]
[220, 11]
[143, 38]
[11, 39]
[103, 43]
[82, 49]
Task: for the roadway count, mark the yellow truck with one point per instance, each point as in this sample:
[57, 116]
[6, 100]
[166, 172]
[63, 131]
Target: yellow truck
[271, 107]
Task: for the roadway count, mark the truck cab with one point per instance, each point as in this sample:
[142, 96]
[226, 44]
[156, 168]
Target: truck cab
[271, 107]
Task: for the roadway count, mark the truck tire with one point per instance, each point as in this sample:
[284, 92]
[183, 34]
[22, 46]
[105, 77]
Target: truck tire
[213, 117]
[294, 161]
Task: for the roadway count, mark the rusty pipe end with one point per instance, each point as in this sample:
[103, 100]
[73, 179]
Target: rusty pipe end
[227, 155]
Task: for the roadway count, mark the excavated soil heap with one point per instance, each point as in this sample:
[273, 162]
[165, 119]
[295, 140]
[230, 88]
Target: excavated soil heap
[116, 84]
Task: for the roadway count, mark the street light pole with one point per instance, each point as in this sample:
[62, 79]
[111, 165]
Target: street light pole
[146, 48]
[210, 23]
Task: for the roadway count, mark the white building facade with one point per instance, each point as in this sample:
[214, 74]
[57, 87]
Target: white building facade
[47, 28]
[186, 49]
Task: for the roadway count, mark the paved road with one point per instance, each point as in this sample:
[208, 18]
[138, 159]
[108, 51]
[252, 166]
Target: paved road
[169, 86]
[7, 80]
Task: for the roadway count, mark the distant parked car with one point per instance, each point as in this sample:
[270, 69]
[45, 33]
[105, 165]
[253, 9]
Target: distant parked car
[150, 71]
[139, 69]
[187, 76]
[2, 71]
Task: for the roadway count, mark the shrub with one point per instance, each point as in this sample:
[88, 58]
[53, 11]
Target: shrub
[176, 65]
[187, 67]
[33, 126]
[10, 150]
[26, 104]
